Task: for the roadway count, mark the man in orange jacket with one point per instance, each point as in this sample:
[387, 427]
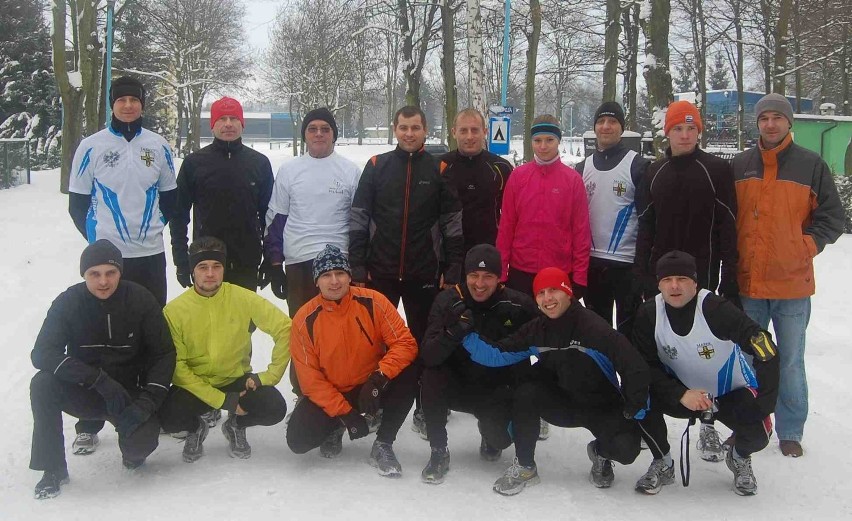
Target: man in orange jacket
[353, 355]
[788, 211]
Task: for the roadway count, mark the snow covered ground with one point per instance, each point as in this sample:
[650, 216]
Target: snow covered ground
[41, 258]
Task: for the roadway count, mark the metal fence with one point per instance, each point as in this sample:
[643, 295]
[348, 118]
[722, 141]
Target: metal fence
[14, 162]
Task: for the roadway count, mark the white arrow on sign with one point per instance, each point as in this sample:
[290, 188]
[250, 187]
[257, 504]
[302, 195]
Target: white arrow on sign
[500, 131]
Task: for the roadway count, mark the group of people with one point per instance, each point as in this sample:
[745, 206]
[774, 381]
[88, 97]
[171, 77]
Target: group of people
[490, 264]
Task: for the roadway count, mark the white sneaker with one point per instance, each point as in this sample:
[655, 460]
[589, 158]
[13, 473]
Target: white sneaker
[709, 444]
[85, 444]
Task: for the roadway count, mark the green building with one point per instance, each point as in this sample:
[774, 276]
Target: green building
[829, 136]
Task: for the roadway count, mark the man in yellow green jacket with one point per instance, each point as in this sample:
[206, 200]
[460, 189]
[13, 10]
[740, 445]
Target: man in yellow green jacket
[211, 324]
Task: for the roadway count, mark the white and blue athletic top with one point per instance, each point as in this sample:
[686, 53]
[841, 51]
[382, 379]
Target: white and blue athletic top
[124, 180]
[699, 359]
[612, 210]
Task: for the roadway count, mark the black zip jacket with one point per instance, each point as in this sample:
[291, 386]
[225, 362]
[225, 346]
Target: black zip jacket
[404, 220]
[727, 322]
[478, 182]
[227, 185]
[126, 335]
[592, 353]
[689, 205]
[498, 317]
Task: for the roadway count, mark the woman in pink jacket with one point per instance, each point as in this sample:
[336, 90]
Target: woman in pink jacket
[545, 216]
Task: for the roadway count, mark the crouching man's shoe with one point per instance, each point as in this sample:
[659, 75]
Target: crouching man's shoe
[50, 483]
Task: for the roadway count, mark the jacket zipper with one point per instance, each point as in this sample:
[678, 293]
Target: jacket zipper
[361, 326]
[405, 218]
[109, 326]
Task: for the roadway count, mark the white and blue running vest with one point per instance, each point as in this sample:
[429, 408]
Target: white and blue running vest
[124, 180]
[612, 210]
[699, 359]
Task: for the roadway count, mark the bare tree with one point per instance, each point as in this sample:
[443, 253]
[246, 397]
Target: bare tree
[448, 65]
[657, 75]
[475, 57]
[612, 33]
[77, 77]
[533, 35]
[417, 25]
[199, 60]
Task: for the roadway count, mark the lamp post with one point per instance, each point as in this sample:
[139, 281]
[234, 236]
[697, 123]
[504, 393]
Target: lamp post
[571, 109]
[108, 64]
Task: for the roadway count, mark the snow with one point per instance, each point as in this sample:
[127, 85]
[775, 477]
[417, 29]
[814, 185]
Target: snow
[41, 259]
[76, 79]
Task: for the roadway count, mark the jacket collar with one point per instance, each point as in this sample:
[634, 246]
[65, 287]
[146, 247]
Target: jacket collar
[610, 152]
[405, 155]
[464, 292]
[337, 306]
[684, 159]
[770, 157]
[228, 147]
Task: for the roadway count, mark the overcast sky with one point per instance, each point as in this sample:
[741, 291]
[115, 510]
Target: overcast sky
[258, 20]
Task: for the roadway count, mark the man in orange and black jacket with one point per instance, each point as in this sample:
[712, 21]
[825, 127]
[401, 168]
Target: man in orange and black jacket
[789, 212]
[353, 355]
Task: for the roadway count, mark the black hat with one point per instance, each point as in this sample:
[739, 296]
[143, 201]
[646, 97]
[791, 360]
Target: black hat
[611, 109]
[100, 252]
[126, 86]
[323, 114]
[677, 264]
[483, 257]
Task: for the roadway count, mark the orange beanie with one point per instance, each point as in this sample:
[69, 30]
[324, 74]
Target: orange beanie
[681, 112]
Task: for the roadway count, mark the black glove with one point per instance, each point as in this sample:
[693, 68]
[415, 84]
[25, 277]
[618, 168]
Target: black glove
[650, 286]
[113, 393]
[184, 277]
[256, 379]
[370, 396]
[763, 347]
[463, 326]
[278, 279]
[359, 274]
[730, 290]
[355, 424]
[578, 290]
[130, 419]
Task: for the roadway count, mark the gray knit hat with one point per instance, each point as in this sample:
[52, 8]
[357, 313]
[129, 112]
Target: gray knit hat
[331, 258]
[776, 103]
[100, 252]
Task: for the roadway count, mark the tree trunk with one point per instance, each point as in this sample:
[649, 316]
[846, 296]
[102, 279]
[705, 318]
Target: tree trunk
[699, 46]
[845, 71]
[612, 33]
[90, 63]
[784, 14]
[72, 96]
[532, 59]
[475, 57]
[656, 70]
[630, 18]
[738, 28]
[448, 65]
[766, 28]
[796, 29]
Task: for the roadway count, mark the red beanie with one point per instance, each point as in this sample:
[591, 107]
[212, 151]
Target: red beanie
[552, 278]
[226, 107]
[681, 112]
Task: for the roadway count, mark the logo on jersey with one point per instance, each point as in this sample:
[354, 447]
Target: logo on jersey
[481, 264]
[670, 351]
[111, 158]
[706, 351]
[149, 155]
[618, 188]
[471, 187]
[337, 188]
[590, 190]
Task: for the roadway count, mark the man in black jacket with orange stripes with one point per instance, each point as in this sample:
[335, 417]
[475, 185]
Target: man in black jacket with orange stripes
[477, 177]
[403, 214]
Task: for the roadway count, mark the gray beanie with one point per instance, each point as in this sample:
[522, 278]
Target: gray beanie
[100, 252]
[776, 103]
